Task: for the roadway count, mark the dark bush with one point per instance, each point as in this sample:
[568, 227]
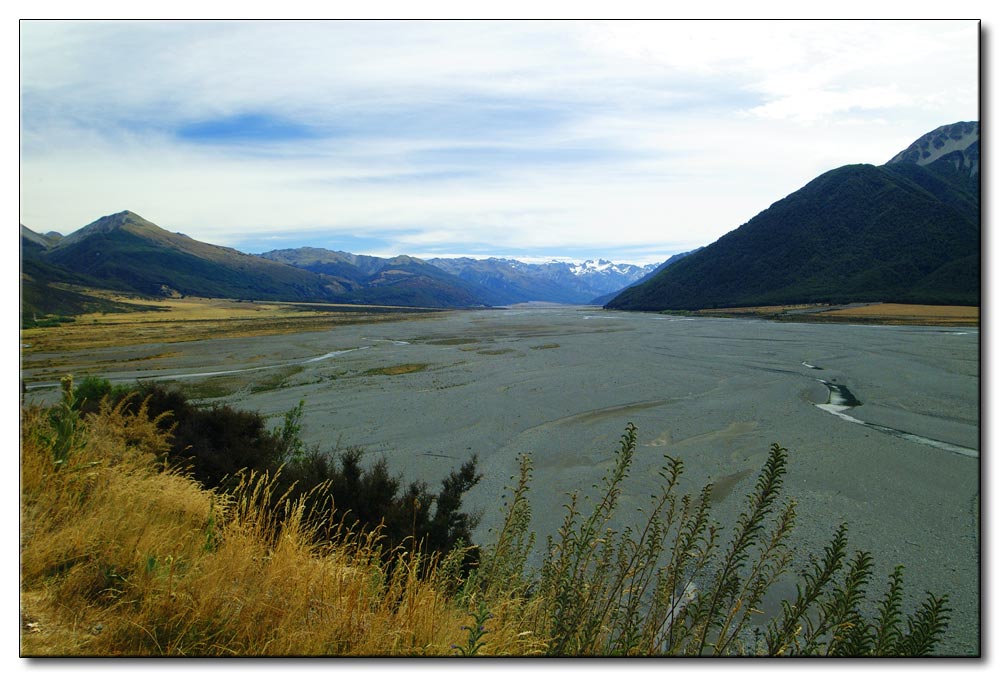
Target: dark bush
[215, 444]
[371, 497]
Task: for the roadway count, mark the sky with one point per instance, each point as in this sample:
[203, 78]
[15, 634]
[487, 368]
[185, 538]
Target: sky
[624, 140]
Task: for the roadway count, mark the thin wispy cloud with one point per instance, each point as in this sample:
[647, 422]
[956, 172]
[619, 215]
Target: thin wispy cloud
[628, 140]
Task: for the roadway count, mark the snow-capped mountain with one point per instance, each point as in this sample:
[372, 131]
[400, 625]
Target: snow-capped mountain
[609, 268]
[553, 281]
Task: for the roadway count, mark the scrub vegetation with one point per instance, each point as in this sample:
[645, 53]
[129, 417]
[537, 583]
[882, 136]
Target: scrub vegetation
[150, 526]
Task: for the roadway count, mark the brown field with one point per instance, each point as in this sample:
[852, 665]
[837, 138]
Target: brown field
[900, 313]
[193, 319]
[875, 313]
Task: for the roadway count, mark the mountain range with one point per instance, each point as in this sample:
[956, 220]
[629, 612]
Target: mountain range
[125, 252]
[514, 281]
[907, 231]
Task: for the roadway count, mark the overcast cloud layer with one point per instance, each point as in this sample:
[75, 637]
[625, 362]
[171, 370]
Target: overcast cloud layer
[629, 141]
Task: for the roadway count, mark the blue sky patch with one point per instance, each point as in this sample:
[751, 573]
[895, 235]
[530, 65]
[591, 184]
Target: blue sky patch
[247, 127]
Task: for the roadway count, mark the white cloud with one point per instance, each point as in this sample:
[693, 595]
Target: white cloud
[540, 136]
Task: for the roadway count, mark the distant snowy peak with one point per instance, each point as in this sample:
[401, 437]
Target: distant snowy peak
[605, 267]
[586, 269]
[589, 266]
[554, 281]
[960, 139]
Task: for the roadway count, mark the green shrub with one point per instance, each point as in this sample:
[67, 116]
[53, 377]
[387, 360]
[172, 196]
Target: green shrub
[670, 587]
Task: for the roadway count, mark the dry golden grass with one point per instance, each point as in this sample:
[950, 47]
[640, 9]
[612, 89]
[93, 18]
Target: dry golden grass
[122, 558]
[877, 313]
[192, 319]
[755, 310]
[911, 314]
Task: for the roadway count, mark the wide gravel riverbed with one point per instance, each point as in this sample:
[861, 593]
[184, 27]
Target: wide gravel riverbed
[882, 423]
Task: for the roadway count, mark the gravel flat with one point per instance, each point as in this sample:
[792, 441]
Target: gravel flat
[560, 383]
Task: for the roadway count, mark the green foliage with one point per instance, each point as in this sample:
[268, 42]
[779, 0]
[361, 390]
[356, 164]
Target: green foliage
[92, 389]
[826, 617]
[475, 632]
[670, 587]
[65, 434]
[289, 434]
[502, 565]
[36, 322]
[46, 299]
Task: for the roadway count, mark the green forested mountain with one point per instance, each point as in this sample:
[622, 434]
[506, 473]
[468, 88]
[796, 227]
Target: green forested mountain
[907, 231]
[124, 251]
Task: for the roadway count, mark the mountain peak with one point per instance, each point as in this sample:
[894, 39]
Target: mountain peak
[110, 223]
[118, 219]
[958, 142]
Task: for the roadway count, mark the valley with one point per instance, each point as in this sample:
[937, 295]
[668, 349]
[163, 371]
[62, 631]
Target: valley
[306, 306]
[427, 391]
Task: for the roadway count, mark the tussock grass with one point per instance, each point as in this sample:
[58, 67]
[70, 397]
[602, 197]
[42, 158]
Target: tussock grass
[122, 557]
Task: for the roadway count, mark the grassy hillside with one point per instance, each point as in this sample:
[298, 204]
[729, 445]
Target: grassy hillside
[51, 293]
[135, 261]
